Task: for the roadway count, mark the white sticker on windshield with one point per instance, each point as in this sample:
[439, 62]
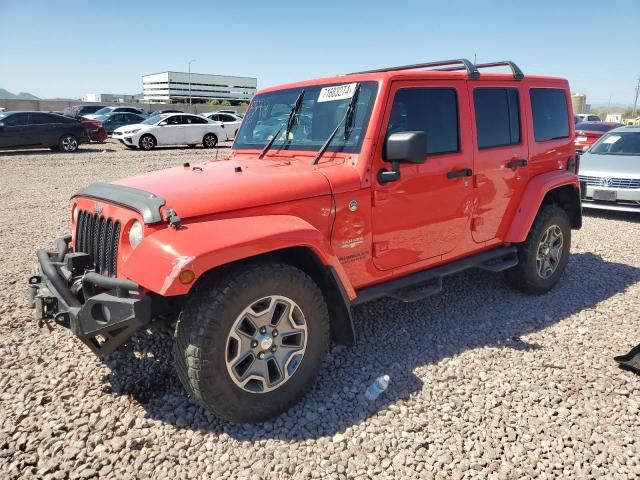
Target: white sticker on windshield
[611, 139]
[339, 92]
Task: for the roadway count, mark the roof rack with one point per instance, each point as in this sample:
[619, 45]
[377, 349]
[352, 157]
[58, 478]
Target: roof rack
[452, 65]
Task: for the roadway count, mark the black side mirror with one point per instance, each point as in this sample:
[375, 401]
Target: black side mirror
[402, 147]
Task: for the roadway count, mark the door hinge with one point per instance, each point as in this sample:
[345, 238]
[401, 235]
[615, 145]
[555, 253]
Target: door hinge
[379, 197]
[476, 223]
[379, 248]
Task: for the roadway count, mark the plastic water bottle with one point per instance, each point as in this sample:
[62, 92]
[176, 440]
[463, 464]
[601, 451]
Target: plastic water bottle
[379, 385]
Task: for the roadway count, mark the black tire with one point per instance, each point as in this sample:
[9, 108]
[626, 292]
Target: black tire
[68, 143]
[204, 325]
[210, 140]
[525, 276]
[147, 142]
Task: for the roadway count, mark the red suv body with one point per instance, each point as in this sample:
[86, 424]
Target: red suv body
[337, 191]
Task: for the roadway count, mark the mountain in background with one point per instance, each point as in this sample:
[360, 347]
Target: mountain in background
[7, 95]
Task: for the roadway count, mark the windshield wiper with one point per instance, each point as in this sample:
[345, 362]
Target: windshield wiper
[290, 120]
[348, 121]
[269, 143]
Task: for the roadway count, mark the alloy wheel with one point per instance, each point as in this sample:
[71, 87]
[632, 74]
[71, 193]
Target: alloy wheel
[266, 344]
[69, 144]
[549, 251]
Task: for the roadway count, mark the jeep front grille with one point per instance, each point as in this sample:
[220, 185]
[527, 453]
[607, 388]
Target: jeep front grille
[611, 182]
[98, 236]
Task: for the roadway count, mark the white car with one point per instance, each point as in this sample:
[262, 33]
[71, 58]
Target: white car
[230, 121]
[171, 129]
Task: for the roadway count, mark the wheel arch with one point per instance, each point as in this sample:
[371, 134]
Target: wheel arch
[557, 187]
[325, 276]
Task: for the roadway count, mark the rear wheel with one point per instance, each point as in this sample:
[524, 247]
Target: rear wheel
[250, 343]
[147, 142]
[68, 143]
[543, 256]
[209, 140]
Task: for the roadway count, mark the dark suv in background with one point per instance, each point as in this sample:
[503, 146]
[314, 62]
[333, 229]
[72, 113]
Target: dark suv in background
[40, 129]
[78, 111]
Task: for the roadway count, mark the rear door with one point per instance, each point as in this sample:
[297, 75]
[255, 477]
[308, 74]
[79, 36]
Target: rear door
[500, 156]
[46, 128]
[194, 128]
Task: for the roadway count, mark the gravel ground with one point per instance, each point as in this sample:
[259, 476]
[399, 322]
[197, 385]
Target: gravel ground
[485, 382]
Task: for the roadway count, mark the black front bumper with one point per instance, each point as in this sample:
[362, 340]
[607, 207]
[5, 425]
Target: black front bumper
[101, 311]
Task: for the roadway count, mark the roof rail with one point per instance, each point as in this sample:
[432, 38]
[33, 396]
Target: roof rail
[462, 63]
[517, 73]
[452, 65]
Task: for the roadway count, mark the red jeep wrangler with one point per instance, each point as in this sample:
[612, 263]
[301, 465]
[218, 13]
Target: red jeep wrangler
[337, 192]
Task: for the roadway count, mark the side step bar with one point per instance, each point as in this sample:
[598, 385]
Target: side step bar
[494, 260]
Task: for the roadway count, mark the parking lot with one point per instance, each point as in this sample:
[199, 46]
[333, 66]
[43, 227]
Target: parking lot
[485, 382]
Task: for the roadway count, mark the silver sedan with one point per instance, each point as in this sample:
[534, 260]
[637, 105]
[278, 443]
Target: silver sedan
[610, 171]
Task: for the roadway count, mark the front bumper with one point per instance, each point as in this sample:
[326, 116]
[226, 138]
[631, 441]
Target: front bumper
[103, 312]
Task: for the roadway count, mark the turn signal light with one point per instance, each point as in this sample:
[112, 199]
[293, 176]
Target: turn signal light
[186, 277]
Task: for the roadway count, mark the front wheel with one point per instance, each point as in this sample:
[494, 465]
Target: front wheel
[147, 142]
[68, 143]
[250, 343]
[210, 140]
[544, 254]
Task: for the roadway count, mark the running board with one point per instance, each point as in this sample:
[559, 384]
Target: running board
[494, 260]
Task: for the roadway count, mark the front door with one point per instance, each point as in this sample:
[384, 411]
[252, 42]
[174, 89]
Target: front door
[16, 131]
[426, 213]
[501, 156]
[173, 132]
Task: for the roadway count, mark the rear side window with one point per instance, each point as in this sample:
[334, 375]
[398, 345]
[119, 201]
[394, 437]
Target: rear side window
[43, 118]
[497, 116]
[431, 110]
[550, 115]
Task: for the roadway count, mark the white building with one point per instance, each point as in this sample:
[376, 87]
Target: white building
[176, 87]
[109, 98]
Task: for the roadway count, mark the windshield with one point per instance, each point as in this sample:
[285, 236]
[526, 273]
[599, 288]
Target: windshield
[594, 127]
[153, 120]
[618, 143]
[322, 109]
[103, 111]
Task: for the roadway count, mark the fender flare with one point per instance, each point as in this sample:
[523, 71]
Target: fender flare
[201, 246]
[534, 195]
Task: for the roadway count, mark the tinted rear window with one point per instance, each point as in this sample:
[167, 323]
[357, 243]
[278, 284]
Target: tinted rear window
[497, 116]
[550, 115]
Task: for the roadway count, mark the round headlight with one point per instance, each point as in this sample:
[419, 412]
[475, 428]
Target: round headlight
[135, 234]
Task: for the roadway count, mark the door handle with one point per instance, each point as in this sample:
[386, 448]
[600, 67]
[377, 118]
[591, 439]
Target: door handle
[517, 163]
[465, 172]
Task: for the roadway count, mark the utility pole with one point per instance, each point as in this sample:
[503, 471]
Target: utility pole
[190, 62]
[635, 102]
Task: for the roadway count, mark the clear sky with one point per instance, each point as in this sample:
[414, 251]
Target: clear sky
[68, 48]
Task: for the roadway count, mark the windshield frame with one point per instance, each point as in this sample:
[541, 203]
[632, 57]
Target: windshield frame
[604, 137]
[281, 144]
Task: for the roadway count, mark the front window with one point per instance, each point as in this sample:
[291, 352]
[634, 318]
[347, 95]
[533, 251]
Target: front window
[322, 110]
[618, 143]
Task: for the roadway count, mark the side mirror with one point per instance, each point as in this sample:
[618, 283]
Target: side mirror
[402, 147]
[162, 123]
